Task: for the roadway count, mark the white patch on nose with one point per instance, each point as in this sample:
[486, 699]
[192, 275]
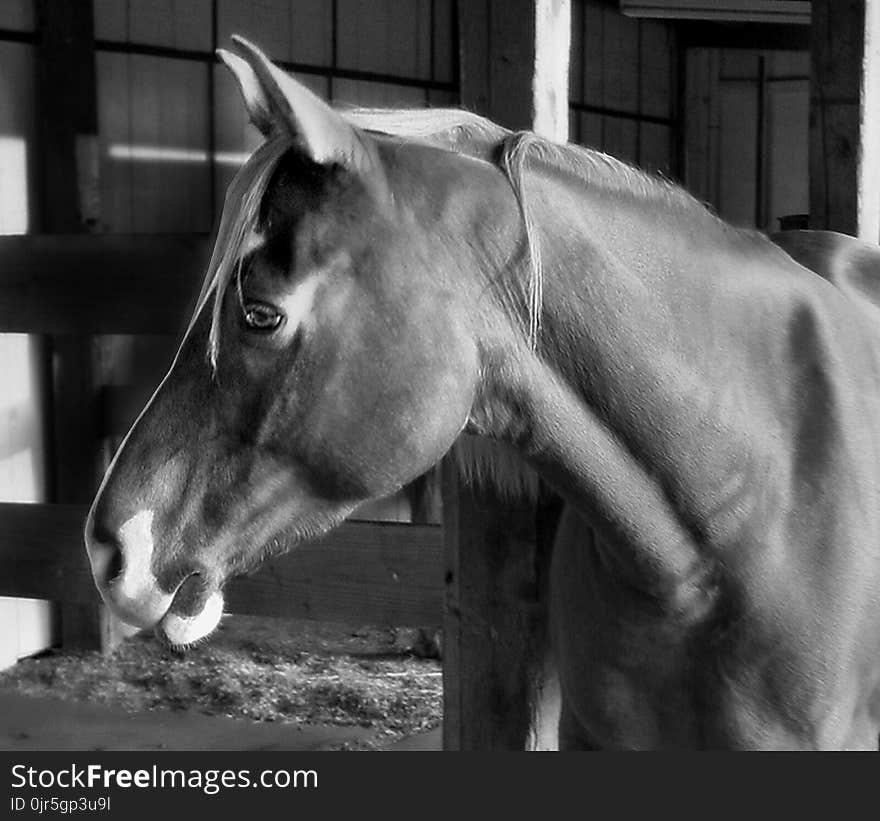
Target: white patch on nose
[185, 630]
[136, 541]
[135, 594]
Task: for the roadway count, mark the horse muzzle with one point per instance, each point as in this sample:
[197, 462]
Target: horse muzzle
[121, 563]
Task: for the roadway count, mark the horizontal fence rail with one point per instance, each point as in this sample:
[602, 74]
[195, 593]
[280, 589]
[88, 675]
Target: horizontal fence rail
[100, 284]
[362, 572]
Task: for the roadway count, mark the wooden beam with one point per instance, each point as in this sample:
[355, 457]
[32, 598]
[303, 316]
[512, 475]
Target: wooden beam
[514, 69]
[100, 284]
[845, 118]
[367, 572]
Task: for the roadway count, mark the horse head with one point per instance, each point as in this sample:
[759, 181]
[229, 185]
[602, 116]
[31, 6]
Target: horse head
[332, 357]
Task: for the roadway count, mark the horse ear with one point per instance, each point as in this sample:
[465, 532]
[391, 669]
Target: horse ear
[278, 104]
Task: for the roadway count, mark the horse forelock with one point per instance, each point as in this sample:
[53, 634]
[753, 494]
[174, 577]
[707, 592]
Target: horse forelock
[238, 223]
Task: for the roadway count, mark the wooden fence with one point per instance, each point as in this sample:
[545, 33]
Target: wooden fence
[363, 572]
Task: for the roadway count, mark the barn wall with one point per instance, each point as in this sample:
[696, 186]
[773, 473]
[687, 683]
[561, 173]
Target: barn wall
[623, 85]
[26, 625]
[165, 161]
[748, 126]
[746, 112]
[17, 15]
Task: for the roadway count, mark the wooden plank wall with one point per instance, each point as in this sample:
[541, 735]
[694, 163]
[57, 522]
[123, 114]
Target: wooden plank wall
[389, 36]
[100, 284]
[157, 107]
[748, 121]
[153, 118]
[17, 15]
[154, 145]
[623, 85]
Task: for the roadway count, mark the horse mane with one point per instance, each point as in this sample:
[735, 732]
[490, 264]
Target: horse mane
[459, 131]
[455, 128]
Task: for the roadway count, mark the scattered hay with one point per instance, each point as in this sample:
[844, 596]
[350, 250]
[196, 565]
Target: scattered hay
[256, 669]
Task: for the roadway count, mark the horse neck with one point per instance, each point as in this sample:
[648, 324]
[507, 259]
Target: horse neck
[615, 399]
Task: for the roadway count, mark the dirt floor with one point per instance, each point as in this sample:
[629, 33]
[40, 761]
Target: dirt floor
[305, 674]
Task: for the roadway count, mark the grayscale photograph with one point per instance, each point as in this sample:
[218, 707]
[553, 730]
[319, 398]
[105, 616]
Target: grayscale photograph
[434, 375]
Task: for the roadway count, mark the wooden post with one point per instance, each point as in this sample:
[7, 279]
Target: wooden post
[493, 618]
[66, 99]
[514, 62]
[550, 83]
[514, 69]
[845, 117]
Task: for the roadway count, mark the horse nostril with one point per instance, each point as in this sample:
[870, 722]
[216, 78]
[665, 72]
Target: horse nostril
[190, 595]
[121, 559]
[104, 552]
[114, 566]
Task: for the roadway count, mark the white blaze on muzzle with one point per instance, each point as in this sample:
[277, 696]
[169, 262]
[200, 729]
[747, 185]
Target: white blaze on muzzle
[135, 595]
[137, 598]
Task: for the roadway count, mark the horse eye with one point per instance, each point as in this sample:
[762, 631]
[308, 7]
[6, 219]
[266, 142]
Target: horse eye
[258, 316]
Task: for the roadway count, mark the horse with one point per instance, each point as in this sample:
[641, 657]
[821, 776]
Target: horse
[705, 401]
